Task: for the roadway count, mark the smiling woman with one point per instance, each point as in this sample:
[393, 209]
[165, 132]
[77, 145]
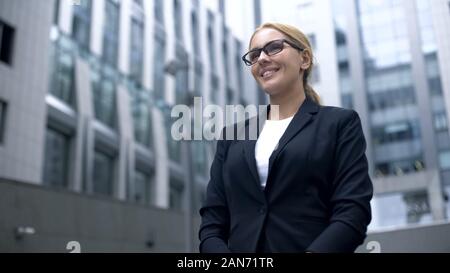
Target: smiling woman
[303, 184]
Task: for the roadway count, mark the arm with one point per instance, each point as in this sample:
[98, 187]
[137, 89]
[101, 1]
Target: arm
[351, 192]
[214, 228]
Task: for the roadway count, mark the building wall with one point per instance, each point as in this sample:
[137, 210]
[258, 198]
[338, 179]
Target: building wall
[40, 118]
[321, 33]
[98, 224]
[24, 88]
[396, 194]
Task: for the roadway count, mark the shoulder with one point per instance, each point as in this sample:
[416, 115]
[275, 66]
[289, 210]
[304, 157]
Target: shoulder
[338, 115]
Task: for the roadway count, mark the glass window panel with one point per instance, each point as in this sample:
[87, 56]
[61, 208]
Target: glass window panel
[56, 161]
[103, 173]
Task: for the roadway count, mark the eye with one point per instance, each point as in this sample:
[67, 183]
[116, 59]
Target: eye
[274, 47]
[254, 55]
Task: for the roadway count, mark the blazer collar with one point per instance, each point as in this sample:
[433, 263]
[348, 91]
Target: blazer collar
[301, 118]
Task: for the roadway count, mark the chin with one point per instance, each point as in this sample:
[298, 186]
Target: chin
[270, 89]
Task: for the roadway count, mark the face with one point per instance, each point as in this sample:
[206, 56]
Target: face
[280, 72]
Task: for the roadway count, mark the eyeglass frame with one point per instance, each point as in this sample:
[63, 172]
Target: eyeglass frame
[263, 49]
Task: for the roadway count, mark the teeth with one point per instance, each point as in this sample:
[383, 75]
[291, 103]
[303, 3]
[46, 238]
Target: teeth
[268, 73]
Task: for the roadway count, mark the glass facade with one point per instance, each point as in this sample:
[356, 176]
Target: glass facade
[345, 82]
[159, 11]
[173, 147]
[142, 116]
[106, 77]
[143, 188]
[211, 47]
[178, 18]
[239, 71]
[111, 32]
[137, 49]
[103, 173]
[62, 71]
[81, 25]
[391, 91]
[176, 196]
[104, 96]
[392, 99]
[56, 160]
[159, 57]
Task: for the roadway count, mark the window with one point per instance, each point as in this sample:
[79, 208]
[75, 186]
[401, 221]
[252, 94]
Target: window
[399, 167]
[56, 159]
[225, 54]
[195, 33]
[176, 194]
[347, 101]
[136, 51]
[181, 78]
[159, 11]
[178, 16]
[396, 132]
[62, 74]
[141, 111]
[82, 23]
[211, 48]
[142, 188]
[200, 164]
[159, 55]
[238, 64]
[104, 96]
[230, 96]
[56, 12]
[440, 121]
[214, 89]
[6, 43]
[2, 120]
[198, 79]
[222, 7]
[111, 33]
[174, 147]
[103, 173]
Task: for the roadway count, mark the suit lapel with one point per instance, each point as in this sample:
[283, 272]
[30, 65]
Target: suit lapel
[257, 123]
[299, 121]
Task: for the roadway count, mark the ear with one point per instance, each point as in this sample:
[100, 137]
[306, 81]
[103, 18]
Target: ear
[305, 60]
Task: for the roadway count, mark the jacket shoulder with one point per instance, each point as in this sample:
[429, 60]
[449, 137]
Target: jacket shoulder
[338, 114]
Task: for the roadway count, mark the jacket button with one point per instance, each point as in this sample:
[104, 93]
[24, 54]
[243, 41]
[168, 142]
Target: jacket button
[262, 210]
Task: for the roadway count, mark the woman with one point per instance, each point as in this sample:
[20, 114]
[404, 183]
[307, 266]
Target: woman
[303, 185]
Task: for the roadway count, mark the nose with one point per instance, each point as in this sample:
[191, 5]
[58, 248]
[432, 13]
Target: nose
[263, 57]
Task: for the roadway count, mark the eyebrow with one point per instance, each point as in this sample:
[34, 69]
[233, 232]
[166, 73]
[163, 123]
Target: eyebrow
[257, 48]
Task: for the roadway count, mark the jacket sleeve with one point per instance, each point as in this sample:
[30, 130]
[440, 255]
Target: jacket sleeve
[351, 193]
[215, 218]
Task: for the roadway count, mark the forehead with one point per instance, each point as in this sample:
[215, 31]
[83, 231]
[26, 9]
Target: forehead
[264, 36]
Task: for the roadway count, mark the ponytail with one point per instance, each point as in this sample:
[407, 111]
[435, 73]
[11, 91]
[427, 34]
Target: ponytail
[309, 91]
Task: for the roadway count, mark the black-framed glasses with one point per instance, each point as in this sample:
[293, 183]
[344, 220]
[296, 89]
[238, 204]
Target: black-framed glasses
[271, 48]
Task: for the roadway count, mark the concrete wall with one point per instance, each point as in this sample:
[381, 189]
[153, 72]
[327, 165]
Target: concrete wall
[98, 224]
[421, 239]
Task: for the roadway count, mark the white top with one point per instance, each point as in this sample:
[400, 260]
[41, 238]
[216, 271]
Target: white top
[266, 143]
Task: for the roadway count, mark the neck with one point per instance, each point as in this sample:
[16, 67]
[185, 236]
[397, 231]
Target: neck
[288, 102]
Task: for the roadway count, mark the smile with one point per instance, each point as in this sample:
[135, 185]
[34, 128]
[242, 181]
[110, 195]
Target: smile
[267, 73]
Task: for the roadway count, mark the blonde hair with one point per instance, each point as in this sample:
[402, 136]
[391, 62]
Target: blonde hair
[300, 39]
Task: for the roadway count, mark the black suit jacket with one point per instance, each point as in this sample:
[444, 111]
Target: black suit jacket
[317, 195]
